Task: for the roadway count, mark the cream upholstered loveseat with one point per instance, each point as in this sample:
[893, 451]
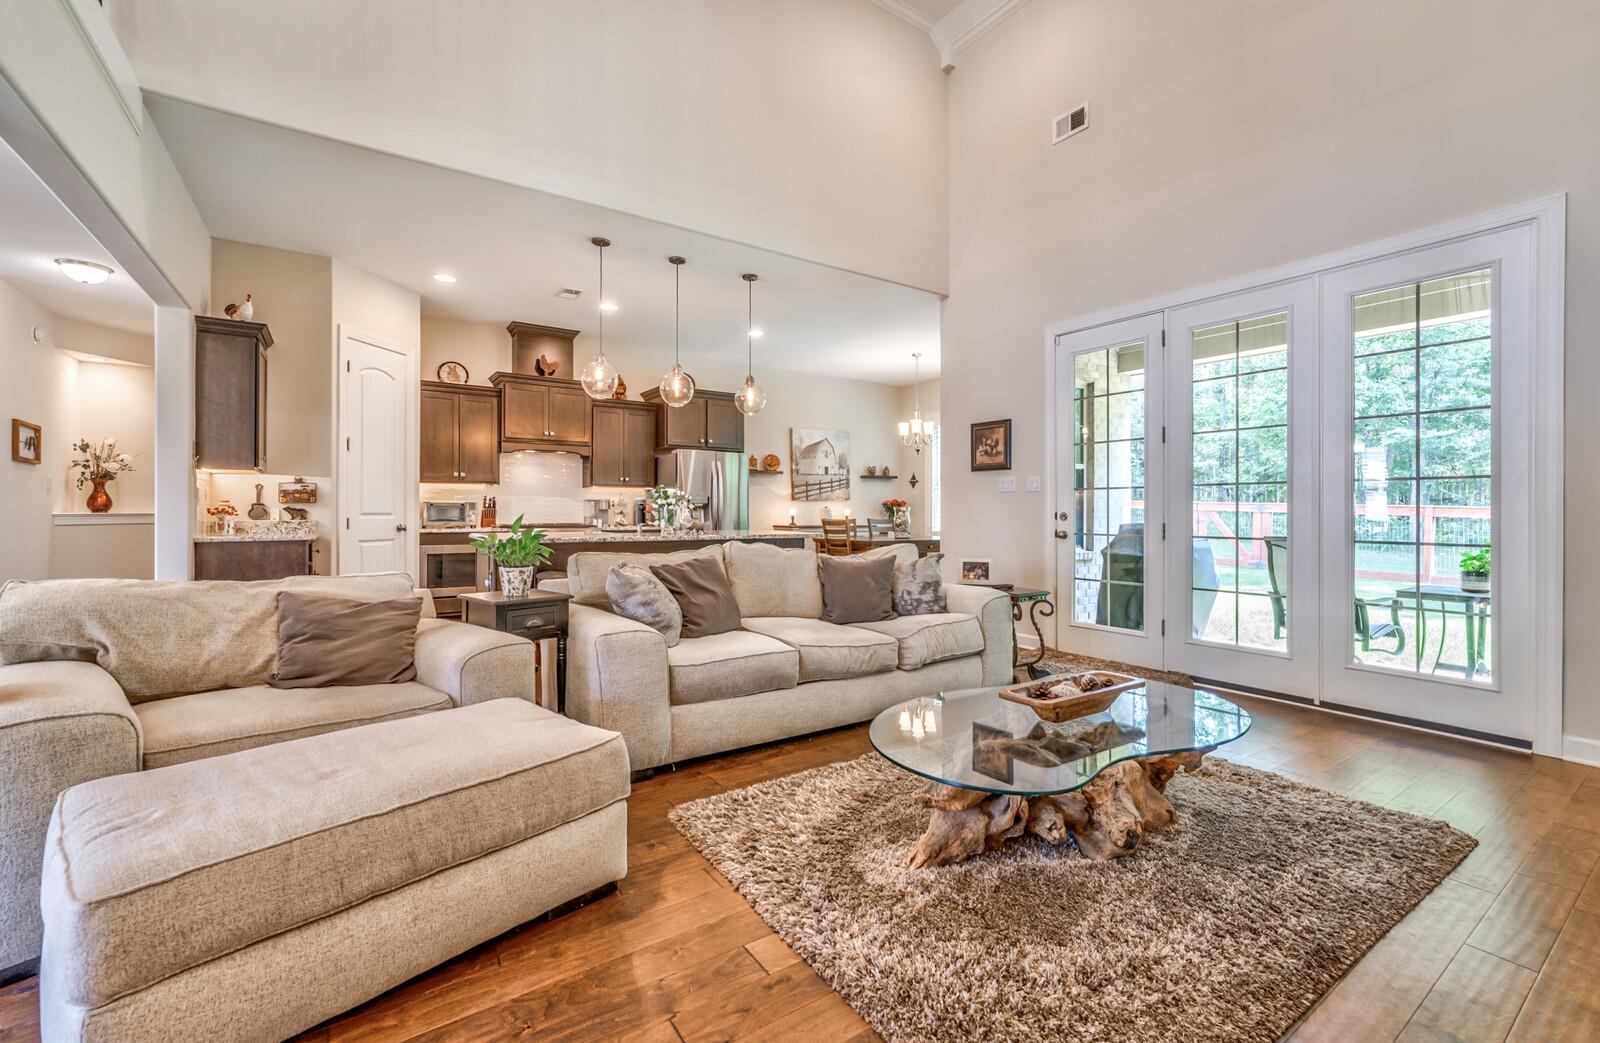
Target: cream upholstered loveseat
[785, 673]
[100, 677]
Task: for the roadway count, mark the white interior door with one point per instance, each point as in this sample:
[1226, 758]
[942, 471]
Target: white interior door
[1109, 482]
[1242, 489]
[1427, 457]
[377, 474]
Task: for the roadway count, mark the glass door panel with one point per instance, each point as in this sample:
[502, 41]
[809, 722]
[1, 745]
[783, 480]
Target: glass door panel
[1426, 389]
[1242, 364]
[1105, 553]
[1421, 445]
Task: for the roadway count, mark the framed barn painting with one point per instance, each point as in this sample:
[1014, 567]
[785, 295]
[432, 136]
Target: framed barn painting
[819, 464]
[991, 446]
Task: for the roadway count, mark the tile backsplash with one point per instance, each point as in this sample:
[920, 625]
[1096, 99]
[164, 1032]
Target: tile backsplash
[545, 488]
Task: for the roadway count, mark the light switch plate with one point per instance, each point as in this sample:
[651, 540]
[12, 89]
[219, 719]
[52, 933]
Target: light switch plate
[1033, 483]
[1008, 485]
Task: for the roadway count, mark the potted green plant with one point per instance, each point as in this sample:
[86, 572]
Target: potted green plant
[1475, 571]
[517, 554]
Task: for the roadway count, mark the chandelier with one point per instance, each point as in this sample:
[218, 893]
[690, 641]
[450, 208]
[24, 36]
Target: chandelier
[916, 432]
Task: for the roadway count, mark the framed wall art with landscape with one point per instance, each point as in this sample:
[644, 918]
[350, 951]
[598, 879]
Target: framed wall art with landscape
[819, 464]
[27, 442]
[991, 446]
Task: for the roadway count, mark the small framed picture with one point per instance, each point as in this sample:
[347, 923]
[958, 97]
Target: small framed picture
[27, 442]
[453, 373]
[975, 571]
[991, 446]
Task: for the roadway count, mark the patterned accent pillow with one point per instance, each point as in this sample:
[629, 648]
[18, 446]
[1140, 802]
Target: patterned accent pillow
[636, 594]
[919, 586]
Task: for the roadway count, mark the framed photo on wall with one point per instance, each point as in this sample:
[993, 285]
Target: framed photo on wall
[27, 442]
[991, 446]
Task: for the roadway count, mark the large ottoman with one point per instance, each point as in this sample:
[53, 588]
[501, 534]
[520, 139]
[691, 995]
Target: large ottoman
[253, 895]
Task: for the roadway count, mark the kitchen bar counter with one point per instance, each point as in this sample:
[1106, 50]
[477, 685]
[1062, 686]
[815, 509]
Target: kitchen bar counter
[557, 536]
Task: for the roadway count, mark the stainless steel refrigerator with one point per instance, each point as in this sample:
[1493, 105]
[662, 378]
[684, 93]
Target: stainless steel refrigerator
[717, 483]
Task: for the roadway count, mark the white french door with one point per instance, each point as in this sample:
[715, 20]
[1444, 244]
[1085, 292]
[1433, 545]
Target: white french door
[1242, 489]
[1427, 462]
[1108, 536]
[1325, 487]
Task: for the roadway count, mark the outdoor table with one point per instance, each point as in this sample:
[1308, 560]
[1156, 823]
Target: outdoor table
[1475, 607]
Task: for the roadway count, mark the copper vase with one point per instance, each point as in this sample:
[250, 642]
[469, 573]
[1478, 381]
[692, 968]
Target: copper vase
[99, 499]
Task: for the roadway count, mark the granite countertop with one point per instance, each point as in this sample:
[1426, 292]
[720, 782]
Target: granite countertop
[264, 532]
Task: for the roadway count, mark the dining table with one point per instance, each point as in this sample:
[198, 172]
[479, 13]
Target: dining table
[860, 544]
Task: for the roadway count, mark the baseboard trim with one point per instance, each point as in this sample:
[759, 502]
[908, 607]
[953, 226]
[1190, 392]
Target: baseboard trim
[17, 972]
[1579, 750]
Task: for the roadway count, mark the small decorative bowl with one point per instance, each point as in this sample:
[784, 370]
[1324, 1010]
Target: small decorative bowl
[1035, 695]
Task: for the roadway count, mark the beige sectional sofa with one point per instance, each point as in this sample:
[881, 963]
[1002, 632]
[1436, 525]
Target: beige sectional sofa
[101, 677]
[785, 673]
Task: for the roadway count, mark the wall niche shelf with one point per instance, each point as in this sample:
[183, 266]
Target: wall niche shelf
[757, 470]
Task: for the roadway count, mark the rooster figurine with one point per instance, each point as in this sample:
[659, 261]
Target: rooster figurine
[247, 310]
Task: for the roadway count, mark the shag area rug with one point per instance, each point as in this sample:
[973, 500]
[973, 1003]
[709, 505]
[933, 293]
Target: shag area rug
[1228, 926]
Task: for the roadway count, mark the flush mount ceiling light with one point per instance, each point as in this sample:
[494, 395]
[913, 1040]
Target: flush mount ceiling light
[916, 432]
[443, 277]
[599, 377]
[677, 387]
[89, 273]
[750, 399]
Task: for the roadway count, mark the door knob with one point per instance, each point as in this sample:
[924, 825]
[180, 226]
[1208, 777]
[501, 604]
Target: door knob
[400, 527]
[1062, 534]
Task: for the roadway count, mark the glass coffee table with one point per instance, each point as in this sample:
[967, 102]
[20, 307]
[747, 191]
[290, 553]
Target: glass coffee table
[995, 771]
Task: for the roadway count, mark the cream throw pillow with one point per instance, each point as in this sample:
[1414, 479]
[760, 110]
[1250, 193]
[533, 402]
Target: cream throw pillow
[919, 586]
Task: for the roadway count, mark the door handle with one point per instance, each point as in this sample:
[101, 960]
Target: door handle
[400, 527]
[1062, 534]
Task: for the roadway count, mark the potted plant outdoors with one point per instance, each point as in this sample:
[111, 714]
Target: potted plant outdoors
[100, 463]
[517, 554]
[1475, 571]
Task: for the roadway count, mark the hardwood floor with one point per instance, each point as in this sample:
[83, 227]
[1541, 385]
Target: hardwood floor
[1507, 948]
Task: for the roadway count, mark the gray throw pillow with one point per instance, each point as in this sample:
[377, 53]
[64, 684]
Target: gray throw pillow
[636, 594]
[857, 589]
[704, 596]
[325, 640]
[919, 586]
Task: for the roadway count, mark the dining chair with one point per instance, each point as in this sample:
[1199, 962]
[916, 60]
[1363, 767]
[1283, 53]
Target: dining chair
[838, 536]
[880, 527]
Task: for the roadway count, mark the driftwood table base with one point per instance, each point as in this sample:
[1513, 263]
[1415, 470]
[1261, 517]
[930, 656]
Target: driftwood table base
[1107, 817]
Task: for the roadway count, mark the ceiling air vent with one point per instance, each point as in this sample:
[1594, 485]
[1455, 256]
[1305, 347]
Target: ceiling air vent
[569, 294]
[1069, 123]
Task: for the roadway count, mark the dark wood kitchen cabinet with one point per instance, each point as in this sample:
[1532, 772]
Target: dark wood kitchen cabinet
[460, 433]
[624, 444]
[709, 421]
[543, 413]
[251, 559]
[230, 394]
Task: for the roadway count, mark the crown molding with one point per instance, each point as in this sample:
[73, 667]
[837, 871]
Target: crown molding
[959, 29]
[968, 21]
[901, 9]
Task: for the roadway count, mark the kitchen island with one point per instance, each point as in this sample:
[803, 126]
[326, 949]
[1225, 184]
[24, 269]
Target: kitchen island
[567, 542]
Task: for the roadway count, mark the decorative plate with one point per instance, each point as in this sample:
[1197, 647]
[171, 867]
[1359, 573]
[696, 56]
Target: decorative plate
[452, 373]
[771, 462]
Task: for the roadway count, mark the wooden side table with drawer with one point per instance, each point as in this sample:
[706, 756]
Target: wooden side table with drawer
[540, 615]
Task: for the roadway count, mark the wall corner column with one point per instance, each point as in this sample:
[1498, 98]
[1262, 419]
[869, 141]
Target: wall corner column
[174, 468]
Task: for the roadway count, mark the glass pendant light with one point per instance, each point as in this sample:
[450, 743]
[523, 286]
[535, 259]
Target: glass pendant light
[677, 387]
[750, 399]
[599, 377]
[916, 433]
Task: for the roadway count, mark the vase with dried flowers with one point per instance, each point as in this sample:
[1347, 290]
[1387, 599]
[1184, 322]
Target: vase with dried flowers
[99, 463]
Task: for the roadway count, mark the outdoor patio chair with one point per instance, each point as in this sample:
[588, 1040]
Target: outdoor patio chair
[1366, 630]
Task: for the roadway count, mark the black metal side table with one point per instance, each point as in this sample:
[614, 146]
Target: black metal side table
[540, 615]
[1039, 604]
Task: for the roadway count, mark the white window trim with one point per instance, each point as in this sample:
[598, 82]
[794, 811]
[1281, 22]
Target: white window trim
[1548, 219]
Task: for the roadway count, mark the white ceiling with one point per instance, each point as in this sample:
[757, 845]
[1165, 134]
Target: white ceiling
[36, 229]
[512, 248]
[932, 10]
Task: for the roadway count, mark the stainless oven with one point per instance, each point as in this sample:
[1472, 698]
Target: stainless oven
[449, 513]
[451, 567]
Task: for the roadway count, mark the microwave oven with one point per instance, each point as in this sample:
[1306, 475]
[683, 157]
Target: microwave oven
[438, 514]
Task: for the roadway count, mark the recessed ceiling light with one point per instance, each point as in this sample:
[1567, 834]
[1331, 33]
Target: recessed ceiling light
[87, 272]
[757, 331]
[443, 277]
[608, 305]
